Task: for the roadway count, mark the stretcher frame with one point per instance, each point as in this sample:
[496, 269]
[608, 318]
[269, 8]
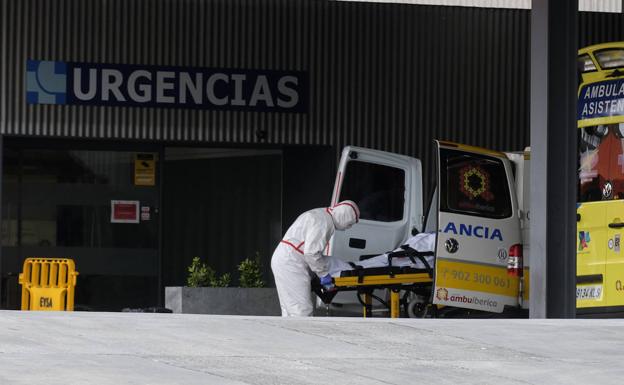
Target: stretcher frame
[417, 282]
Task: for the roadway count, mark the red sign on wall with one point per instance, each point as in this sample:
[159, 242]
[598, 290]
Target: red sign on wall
[125, 211]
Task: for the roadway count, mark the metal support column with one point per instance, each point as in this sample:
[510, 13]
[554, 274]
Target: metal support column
[1, 209]
[395, 299]
[368, 306]
[553, 158]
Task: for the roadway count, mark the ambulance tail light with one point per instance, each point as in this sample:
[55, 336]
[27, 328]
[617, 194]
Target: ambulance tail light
[514, 262]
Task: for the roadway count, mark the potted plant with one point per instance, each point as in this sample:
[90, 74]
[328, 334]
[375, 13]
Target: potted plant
[202, 275]
[208, 293]
[251, 272]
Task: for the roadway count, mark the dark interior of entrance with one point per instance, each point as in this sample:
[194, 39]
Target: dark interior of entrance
[225, 205]
[57, 201]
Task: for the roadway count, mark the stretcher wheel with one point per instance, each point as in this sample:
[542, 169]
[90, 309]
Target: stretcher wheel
[417, 309]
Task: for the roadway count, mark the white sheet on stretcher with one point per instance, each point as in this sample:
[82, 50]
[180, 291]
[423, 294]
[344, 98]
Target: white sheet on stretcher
[421, 242]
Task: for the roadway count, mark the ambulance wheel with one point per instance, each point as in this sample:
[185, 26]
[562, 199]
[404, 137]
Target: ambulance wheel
[417, 309]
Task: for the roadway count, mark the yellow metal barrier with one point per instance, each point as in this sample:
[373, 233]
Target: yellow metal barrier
[48, 284]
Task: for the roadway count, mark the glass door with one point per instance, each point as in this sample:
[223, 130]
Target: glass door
[98, 207]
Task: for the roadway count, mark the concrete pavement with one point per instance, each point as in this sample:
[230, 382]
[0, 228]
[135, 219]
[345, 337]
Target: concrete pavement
[140, 348]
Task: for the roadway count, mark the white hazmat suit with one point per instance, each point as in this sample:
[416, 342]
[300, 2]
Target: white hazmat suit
[300, 255]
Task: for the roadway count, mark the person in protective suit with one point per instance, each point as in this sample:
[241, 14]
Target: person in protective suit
[300, 253]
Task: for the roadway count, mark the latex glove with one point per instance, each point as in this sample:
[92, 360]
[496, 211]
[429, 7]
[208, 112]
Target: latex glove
[327, 282]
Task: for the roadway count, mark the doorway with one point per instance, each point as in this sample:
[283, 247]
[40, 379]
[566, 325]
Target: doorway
[57, 201]
[221, 205]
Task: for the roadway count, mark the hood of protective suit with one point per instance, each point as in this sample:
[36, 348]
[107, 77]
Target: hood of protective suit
[345, 214]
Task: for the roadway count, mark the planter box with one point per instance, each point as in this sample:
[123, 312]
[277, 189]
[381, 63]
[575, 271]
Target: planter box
[222, 300]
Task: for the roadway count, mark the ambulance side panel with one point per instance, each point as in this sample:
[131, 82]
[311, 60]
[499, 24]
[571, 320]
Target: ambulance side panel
[591, 254]
[597, 211]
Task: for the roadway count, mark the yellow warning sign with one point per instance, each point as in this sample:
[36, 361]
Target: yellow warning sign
[145, 170]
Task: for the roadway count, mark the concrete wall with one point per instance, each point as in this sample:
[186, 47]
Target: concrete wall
[220, 300]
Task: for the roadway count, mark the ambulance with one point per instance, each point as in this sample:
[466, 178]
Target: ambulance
[478, 213]
[600, 207]
[480, 209]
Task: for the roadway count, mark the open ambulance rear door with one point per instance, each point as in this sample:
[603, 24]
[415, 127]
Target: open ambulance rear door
[478, 229]
[388, 190]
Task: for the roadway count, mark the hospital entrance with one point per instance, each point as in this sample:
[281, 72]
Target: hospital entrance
[133, 216]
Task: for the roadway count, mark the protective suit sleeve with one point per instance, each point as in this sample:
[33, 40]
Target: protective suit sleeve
[316, 239]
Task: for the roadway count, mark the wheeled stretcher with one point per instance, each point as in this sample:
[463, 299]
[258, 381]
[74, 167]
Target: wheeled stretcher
[364, 281]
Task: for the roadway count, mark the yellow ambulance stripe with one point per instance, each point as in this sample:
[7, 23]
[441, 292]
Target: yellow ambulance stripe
[475, 277]
[597, 121]
[473, 149]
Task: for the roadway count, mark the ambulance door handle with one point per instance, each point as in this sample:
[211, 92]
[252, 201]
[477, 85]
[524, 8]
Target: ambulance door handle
[593, 278]
[356, 243]
[616, 225]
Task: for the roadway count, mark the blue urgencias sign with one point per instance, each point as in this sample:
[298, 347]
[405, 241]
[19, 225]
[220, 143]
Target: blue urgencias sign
[601, 102]
[54, 82]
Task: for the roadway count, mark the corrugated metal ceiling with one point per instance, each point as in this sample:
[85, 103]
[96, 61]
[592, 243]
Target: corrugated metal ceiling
[614, 6]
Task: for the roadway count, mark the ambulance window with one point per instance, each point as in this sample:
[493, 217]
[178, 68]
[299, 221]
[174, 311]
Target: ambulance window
[610, 58]
[601, 163]
[378, 190]
[474, 185]
[586, 64]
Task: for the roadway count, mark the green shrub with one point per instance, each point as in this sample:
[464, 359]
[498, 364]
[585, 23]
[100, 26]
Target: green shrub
[199, 274]
[251, 272]
[202, 275]
[223, 281]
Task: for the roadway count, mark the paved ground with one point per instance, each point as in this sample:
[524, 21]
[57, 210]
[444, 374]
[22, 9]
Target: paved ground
[135, 348]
